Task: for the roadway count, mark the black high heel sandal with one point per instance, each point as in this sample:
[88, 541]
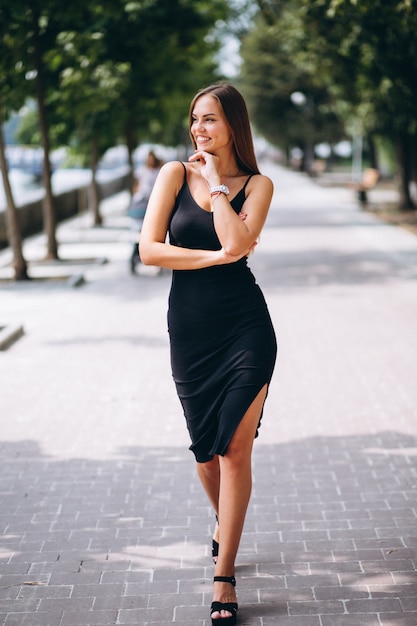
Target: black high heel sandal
[215, 547]
[231, 607]
[215, 551]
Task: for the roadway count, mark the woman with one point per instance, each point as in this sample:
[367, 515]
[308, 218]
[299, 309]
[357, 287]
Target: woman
[144, 181]
[223, 344]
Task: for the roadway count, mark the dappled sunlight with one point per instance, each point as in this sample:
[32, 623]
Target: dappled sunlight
[328, 525]
[392, 451]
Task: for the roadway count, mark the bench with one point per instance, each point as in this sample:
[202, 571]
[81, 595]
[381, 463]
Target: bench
[319, 167]
[368, 181]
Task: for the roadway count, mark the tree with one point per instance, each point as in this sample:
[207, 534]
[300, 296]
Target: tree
[122, 65]
[372, 51]
[100, 71]
[276, 69]
[169, 47]
[13, 227]
[362, 52]
[11, 98]
[39, 36]
[85, 104]
[35, 25]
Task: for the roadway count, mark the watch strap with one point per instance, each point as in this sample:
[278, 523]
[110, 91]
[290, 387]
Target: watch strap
[219, 189]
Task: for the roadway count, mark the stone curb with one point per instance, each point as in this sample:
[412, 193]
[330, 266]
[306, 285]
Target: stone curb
[9, 334]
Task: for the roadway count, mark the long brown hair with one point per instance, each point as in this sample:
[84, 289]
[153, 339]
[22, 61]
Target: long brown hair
[236, 113]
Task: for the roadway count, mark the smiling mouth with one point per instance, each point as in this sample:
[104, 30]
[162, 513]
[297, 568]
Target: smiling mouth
[202, 139]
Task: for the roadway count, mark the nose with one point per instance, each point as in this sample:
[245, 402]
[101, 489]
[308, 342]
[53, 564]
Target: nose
[198, 124]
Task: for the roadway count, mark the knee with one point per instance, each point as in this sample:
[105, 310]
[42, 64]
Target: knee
[210, 469]
[238, 455]
[239, 450]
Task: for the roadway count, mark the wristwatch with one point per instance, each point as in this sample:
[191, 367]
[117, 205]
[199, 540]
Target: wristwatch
[219, 189]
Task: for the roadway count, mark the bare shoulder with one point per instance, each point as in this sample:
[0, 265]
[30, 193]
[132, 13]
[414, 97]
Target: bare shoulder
[264, 181]
[260, 184]
[173, 169]
[171, 177]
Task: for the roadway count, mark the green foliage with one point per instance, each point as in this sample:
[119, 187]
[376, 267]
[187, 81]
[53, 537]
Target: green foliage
[372, 48]
[276, 63]
[28, 131]
[356, 59]
[112, 67]
[13, 86]
[169, 47]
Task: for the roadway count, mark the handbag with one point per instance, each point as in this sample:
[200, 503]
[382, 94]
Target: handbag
[137, 209]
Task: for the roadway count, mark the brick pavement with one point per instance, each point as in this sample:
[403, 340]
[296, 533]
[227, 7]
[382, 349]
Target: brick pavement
[102, 519]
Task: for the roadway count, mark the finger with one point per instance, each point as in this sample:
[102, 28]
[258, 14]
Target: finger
[200, 155]
[196, 157]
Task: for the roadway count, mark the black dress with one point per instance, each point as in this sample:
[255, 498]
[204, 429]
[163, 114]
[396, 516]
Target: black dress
[223, 345]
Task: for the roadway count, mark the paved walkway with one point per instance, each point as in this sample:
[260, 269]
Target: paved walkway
[102, 519]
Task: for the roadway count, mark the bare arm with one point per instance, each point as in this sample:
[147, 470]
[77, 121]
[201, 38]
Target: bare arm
[237, 234]
[154, 249]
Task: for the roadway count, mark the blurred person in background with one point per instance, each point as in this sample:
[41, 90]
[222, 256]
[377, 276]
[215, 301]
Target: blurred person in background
[144, 180]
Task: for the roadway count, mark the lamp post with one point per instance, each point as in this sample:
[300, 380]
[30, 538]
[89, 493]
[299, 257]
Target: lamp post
[357, 158]
[306, 103]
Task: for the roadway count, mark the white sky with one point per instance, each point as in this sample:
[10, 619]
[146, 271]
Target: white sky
[229, 58]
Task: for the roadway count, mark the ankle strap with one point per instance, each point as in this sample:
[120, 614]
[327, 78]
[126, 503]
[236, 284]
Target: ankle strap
[225, 579]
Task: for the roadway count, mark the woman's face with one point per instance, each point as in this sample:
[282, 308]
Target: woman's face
[209, 127]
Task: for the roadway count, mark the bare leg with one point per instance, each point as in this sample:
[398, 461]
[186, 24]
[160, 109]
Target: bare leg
[234, 494]
[209, 474]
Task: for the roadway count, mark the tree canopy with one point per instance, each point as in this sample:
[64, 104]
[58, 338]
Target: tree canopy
[356, 59]
[107, 72]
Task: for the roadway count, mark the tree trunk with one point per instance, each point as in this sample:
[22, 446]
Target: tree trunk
[131, 145]
[404, 153]
[49, 211]
[13, 227]
[94, 190]
[413, 141]
[307, 162]
[413, 168]
[373, 155]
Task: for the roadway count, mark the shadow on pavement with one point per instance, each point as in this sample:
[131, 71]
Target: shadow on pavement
[330, 538]
[312, 268]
